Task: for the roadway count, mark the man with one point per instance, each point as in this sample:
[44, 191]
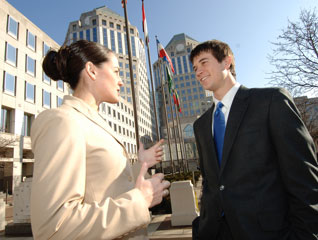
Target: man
[258, 161]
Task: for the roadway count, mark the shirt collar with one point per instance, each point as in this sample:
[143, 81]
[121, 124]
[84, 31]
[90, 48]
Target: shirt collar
[229, 96]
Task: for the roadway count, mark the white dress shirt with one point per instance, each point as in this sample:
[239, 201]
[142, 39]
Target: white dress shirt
[227, 101]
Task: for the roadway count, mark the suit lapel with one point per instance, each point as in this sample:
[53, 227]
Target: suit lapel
[206, 133]
[91, 114]
[236, 115]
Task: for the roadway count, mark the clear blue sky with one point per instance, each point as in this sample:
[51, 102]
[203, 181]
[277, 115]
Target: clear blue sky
[248, 26]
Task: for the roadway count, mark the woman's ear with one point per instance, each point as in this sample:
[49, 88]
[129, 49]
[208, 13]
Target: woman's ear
[90, 69]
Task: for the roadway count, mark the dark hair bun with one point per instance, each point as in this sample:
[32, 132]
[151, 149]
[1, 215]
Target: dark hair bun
[55, 64]
[67, 63]
[49, 65]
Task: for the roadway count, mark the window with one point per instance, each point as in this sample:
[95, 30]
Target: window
[104, 22]
[11, 54]
[5, 123]
[118, 27]
[120, 45]
[60, 85]
[174, 64]
[31, 40]
[112, 40]
[88, 34]
[30, 65]
[185, 65]
[59, 101]
[105, 37]
[74, 27]
[81, 35]
[132, 31]
[29, 92]
[46, 79]
[111, 24]
[9, 83]
[126, 46]
[46, 99]
[46, 48]
[95, 34]
[27, 124]
[74, 37]
[94, 22]
[133, 46]
[179, 65]
[13, 27]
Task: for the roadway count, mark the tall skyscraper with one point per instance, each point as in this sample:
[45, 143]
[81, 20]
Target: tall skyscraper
[193, 99]
[106, 27]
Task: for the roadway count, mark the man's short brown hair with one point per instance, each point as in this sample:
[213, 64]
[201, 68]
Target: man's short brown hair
[218, 49]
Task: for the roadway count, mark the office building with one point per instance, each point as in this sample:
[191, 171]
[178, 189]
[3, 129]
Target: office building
[194, 100]
[106, 27]
[25, 91]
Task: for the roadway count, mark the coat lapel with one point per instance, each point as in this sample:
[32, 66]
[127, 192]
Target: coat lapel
[206, 133]
[91, 114]
[236, 115]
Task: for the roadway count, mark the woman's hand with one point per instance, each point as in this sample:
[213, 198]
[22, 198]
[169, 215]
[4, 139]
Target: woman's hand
[152, 155]
[154, 188]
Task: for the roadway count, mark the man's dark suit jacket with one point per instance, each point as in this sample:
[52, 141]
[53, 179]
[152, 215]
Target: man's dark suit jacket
[267, 184]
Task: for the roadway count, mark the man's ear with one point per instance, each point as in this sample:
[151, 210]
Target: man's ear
[228, 62]
[90, 69]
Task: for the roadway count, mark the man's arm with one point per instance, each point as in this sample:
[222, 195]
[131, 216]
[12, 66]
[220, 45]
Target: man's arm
[297, 160]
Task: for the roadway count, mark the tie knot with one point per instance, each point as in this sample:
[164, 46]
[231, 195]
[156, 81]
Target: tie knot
[219, 105]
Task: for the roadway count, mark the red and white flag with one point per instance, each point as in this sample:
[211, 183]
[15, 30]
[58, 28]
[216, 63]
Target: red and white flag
[122, 3]
[144, 23]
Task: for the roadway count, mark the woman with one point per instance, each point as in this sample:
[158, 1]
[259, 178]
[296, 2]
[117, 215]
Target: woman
[83, 187]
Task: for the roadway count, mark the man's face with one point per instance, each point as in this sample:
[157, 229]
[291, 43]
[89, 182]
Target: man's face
[209, 72]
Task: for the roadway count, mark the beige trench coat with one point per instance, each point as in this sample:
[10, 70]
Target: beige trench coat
[83, 186]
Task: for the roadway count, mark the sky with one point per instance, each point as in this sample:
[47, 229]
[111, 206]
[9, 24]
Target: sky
[248, 26]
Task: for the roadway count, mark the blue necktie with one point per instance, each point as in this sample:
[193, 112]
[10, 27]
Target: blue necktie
[219, 130]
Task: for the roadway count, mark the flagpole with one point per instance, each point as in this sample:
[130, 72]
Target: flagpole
[174, 128]
[131, 75]
[181, 141]
[153, 91]
[166, 117]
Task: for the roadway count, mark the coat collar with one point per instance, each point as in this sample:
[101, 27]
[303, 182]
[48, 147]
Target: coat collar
[205, 131]
[82, 107]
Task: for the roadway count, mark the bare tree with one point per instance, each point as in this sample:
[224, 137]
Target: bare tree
[308, 108]
[295, 56]
[5, 143]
